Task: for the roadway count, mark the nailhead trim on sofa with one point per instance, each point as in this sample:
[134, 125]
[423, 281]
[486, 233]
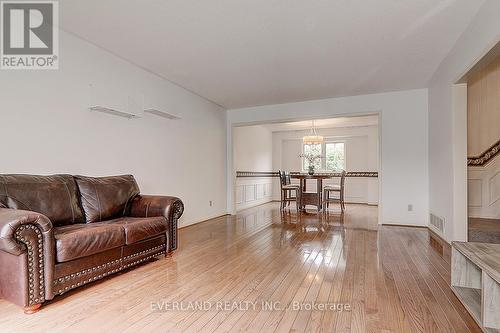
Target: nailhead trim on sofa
[32, 271]
[178, 208]
[96, 268]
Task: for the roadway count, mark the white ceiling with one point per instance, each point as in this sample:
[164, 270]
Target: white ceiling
[256, 52]
[324, 123]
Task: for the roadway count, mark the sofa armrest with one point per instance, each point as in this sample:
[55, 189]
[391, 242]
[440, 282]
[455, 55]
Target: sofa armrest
[30, 234]
[10, 222]
[154, 205]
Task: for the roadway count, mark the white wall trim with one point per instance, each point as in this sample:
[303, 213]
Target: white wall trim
[459, 109]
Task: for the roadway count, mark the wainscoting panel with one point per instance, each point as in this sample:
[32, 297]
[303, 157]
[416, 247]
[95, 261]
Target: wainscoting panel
[494, 185]
[475, 192]
[268, 191]
[259, 190]
[484, 190]
[252, 191]
[240, 197]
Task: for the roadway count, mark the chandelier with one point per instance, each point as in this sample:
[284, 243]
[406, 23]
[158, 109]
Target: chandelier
[313, 137]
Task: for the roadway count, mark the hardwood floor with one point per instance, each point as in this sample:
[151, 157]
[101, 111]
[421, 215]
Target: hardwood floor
[387, 279]
[484, 230]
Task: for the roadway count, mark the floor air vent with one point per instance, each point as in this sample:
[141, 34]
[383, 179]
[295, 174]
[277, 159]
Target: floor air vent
[437, 222]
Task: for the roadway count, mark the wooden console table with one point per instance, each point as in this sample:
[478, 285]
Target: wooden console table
[475, 279]
[311, 198]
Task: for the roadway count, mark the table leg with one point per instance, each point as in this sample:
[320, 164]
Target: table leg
[319, 185]
[303, 187]
[300, 188]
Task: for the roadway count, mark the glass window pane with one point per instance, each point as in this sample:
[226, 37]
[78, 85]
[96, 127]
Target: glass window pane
[335, 156]
[315, 150]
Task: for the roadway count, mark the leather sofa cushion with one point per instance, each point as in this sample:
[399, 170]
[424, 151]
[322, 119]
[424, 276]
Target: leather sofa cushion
[106, 197]
[53, 196]
[81, 240]
[138, 229]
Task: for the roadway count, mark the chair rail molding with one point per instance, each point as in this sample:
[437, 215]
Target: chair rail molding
[260, 174]
[487, 156]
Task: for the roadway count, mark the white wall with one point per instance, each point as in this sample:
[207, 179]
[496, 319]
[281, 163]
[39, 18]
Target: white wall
[362, 154]
[404, 149]
[447, 122]
[253, 148]
[46, 128]
[252, 151]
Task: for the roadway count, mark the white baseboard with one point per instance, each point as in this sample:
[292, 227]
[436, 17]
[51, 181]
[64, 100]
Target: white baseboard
[203, 219]
[253, 203]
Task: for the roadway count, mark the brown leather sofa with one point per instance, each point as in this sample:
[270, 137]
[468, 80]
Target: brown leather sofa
[61, 232]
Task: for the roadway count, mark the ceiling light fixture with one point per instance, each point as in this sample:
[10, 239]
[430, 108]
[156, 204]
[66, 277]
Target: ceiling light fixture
[313, 138]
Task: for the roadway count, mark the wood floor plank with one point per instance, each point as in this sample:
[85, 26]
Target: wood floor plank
[332, 260]
[415, 310]
[392, 279]
[430, 277]
[253, 321]
[422, 282]
[456, 309]
[185, 289]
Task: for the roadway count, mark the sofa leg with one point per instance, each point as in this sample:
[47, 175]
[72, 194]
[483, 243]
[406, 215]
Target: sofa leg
[32, 309]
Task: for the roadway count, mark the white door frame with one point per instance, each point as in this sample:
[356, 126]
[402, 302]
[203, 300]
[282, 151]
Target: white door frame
[231, 172]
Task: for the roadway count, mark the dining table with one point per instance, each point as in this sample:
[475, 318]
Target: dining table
[311, 198]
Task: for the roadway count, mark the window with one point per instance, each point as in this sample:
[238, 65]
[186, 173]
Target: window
[312, 149]
[334, 156]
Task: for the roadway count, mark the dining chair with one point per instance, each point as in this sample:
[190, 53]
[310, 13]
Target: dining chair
[287, 189]
[336, 189]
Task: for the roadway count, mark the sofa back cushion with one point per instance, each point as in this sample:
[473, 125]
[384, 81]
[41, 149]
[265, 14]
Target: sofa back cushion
[53, 196]
[103, 198]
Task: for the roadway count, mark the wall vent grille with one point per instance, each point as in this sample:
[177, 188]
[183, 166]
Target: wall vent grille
[437, 222]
